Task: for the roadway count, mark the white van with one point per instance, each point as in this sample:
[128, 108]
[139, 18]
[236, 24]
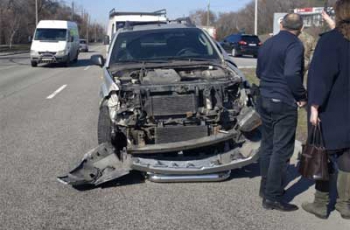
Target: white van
[55, 41]
[118, 20]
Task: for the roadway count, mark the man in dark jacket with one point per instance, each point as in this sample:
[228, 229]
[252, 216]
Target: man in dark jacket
[280, 69]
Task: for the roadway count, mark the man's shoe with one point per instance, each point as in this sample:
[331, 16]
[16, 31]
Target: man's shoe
[280, 206]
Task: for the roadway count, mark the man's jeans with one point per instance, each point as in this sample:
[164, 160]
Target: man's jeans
[279, 121]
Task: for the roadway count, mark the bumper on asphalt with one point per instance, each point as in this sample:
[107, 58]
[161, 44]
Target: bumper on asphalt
[103, 164]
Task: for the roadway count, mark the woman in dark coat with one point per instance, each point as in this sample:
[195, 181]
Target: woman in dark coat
[329, 101]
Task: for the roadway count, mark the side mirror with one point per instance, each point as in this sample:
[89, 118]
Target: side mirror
[106, 40]
[97, 60]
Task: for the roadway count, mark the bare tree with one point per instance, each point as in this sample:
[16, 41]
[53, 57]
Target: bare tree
[17, 18]
[199, 17]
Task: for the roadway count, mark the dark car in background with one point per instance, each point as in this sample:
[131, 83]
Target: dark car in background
[241, 44]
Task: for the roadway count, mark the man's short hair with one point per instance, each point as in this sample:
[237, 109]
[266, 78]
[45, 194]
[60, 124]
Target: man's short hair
[292, 21]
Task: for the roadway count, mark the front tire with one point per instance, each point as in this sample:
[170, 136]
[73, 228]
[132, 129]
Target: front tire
[34, 64]
[104, 126]
[67, 62]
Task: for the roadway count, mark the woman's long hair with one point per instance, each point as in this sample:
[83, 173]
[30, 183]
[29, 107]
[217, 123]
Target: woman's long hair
[342, 17]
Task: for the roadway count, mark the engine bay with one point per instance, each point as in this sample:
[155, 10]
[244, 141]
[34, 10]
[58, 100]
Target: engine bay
[163, 105]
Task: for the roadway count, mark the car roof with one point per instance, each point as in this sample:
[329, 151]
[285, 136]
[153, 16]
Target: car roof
[156, 26]
[56, 24]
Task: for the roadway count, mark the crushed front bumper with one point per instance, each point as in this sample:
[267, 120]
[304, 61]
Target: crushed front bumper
[215, 164]
[102, 164]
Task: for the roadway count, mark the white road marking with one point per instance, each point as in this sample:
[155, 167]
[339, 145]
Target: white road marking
[56, 92]
[87, 68]
[7, 67]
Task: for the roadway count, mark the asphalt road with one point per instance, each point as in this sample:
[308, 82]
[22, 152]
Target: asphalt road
[246, 62]
[42, 138]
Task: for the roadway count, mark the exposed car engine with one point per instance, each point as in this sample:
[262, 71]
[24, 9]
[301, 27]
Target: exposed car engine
[171, 108]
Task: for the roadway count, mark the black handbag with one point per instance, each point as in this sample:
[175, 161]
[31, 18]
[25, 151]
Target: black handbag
[314, 158]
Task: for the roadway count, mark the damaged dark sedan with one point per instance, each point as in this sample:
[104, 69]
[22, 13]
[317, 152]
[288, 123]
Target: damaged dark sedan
[173, 106]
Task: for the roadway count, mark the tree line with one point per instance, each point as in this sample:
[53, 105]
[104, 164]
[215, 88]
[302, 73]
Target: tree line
[243, 20]
[18, 19]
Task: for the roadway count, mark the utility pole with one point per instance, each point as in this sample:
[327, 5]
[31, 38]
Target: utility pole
[87, 28]
[36, 12]
[72, 15]
[256, 18]
[95, 31]
[208, 14]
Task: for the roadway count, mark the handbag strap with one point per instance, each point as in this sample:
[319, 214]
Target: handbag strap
[320, 135]
[312, 135]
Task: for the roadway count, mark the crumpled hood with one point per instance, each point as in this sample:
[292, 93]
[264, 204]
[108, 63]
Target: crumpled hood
[42, 46]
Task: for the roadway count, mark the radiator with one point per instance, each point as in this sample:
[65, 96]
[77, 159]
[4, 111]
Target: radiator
[169, 105]
[179, 133]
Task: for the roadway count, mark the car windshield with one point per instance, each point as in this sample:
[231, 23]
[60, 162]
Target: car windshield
[162, 44]
[51, 34]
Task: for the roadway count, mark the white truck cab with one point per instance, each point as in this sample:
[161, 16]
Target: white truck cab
[55, 41]
[118, 20]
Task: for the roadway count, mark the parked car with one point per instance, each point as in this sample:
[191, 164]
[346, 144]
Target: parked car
[55, 41]
[83, 46]
[172, 106]
[241, 44]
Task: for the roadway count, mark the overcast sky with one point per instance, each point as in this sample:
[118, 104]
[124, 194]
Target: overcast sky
[99, 9]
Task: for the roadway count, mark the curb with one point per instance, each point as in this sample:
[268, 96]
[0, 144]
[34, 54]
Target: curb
[247, 67]
[14, 53]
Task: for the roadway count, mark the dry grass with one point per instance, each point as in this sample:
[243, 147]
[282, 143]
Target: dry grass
[302, 114]
[6, 48]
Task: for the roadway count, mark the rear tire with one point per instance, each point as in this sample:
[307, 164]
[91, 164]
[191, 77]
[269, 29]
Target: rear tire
[104, 126]
[76, 58]
[34, 64]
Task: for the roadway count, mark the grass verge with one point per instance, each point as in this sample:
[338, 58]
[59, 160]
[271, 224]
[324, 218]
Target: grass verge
[301, 134]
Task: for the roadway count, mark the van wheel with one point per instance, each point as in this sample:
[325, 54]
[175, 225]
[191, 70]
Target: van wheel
[67, 62]
[34, 64]
[76, 58]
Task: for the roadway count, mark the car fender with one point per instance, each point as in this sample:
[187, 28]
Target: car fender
[108, 84]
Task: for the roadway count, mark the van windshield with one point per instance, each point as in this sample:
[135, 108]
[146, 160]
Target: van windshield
[51, 35]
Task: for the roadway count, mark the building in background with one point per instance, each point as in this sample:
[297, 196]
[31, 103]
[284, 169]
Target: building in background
[312, 15]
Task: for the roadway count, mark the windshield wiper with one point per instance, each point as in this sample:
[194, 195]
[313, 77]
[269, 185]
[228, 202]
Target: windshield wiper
[142, 61]
[190, 59]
